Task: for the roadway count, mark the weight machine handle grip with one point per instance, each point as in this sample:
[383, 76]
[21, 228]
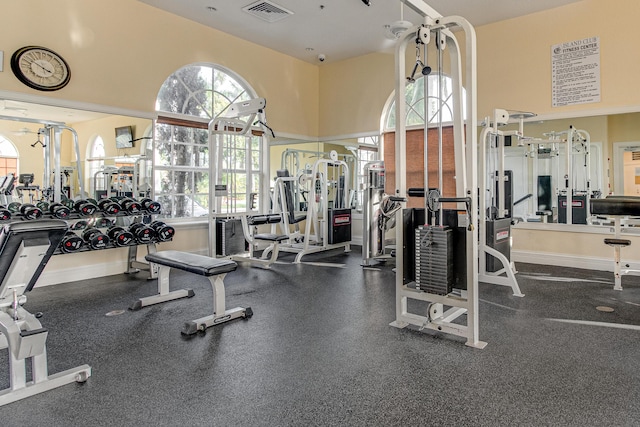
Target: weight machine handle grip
[397, 199]
[416, 192]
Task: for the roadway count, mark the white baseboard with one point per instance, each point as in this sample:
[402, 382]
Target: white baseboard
[84, 272]
[564, 260]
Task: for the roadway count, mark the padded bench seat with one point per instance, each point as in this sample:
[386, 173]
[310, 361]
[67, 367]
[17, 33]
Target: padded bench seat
[271, 237]
[617, 242]
[213, 268]
[193, 263]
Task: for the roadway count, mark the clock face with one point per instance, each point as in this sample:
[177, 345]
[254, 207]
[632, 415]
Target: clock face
[40, 68]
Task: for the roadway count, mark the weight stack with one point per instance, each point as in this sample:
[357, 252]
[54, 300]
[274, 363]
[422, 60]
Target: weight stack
[229, 237]
[434, 259]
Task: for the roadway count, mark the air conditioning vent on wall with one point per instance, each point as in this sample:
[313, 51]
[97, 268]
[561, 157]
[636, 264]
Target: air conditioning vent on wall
[267, 11]
[635, 155]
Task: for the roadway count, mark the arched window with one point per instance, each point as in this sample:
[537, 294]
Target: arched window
[440, 107]
[95, 161]
[414, 94]
[8, 157]
[187, 101]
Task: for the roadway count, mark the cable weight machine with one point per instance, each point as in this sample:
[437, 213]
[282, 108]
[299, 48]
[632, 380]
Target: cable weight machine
[433, 253]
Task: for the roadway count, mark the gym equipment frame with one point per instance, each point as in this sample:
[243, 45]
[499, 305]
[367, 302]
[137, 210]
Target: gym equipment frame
[503, 276]
[26, 248]
[318, 221]
[617, 207]
[238, 120]
[466, 156]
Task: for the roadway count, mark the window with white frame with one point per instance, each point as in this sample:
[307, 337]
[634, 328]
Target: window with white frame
[187, 101]
[414, 94]
[367, 152]
[8, 157]
[94, 162]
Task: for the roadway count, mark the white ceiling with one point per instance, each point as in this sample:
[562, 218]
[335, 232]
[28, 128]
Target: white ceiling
[30, 112]
[339, 29]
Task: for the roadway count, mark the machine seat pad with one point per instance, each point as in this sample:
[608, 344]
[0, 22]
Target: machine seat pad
[617, 242]
[616, 206]
[264, 219]
[193, 263]
[271, 237]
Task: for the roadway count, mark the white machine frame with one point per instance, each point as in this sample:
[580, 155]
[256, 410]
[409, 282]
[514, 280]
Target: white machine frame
[506, 275]
[237, 120]
[316, 233]
[23, 335]
[466, 171]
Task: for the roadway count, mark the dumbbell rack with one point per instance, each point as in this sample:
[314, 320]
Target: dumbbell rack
[81, 221]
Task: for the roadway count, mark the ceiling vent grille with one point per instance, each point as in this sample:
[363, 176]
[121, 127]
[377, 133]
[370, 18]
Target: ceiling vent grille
[267, 11]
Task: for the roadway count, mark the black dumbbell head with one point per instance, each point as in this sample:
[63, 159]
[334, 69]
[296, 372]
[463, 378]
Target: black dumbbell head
[120, 236]
[71, 242]
[5, 214]
[29, 211]
[95, 238]
[85, 208]
[109, 207]
[151, 206]
[164, 232]
[59, 210]
[142, 232]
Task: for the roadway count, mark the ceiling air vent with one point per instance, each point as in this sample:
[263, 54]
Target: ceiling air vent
[267, 11]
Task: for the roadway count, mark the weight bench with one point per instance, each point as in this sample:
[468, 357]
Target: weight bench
[25, 249]
[214, 269]
[616, 207]
[249, 228]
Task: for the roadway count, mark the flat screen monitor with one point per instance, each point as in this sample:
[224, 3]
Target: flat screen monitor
[124, 137]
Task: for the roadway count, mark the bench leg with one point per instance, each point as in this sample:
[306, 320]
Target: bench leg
[616, 271]
[164, 294]
[220, 314]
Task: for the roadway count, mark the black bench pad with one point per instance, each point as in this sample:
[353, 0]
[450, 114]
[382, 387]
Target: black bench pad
[264, 219]
[193, 263]
[617, 242]
[271, 237]
[627, 205]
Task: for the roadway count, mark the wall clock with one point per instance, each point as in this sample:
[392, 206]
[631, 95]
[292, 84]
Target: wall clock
[40, 68]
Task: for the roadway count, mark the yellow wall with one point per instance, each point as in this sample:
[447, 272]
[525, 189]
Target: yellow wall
[514, 56]
[514, 67]
[121, 51]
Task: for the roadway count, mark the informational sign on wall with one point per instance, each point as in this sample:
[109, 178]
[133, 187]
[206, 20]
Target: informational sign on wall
[575, 72]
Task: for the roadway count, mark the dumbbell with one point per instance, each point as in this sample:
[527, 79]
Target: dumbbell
[142, 232]
[71, 242]
[109, 207]
[151, 206]
[30, 211]
[163, 231]
[95, 238]
[69, 203]
[43, 205]
[14, 207]
[5, 214]
[129, 205]
[59, 210]
[120, 236]
[85, 208]
[80, 225]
